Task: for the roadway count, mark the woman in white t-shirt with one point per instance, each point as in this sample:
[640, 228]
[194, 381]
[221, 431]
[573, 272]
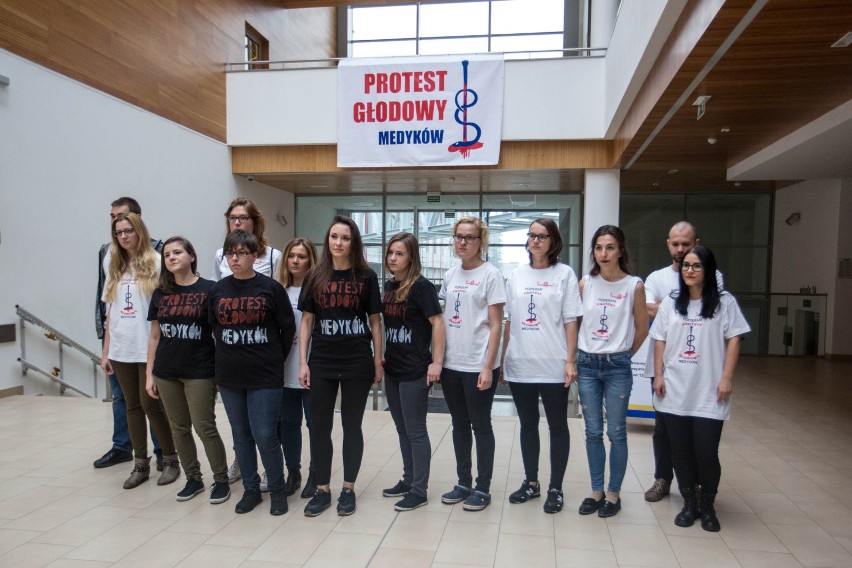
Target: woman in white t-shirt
[132, 273]
[540, 355]
[300, 255]
[615, 323]
[243, 214]
[474, 295]
[697, 337]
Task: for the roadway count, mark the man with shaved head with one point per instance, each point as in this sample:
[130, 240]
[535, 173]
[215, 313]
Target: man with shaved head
[662, 283]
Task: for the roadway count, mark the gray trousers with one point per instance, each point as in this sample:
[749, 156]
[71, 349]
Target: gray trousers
[408, 402]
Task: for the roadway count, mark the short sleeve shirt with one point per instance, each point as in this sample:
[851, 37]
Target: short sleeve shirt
[408, 331]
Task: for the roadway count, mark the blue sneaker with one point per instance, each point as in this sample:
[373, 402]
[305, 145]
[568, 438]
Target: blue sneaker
[457, 495]
[477, 501]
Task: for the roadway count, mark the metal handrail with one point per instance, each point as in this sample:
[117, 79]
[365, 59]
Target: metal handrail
[56, 374]
[302, 64]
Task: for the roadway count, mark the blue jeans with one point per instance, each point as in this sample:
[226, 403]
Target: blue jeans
[605, 381]
[293, 403]
[253, 414]
[120, 432]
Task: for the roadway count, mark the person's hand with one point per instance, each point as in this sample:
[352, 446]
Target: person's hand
[151, 387]
[570, 373]
[106, 366]
[380, 371]
[304, 376]
[485, 379]
[660, 387]
[723, 391]
[502, 379]
[433, 374]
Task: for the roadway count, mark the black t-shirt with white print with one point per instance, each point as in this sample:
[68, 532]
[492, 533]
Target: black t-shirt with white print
[186, 349]
[408, 332]
[254, 327]
[341, 341]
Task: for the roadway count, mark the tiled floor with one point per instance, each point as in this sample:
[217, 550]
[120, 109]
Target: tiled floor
[785, 499]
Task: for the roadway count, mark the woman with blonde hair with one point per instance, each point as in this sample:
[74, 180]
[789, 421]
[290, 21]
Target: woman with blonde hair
[132, 269]
[474, 294]
[413, 322]
[299, 257]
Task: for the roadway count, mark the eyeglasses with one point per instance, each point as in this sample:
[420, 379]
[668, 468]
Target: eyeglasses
[537, 238]
[696, 267]
[241, 218]
[469, 239]
[124, 233]
[237, 254]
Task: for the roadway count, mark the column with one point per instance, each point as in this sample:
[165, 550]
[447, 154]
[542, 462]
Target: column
[600, 206]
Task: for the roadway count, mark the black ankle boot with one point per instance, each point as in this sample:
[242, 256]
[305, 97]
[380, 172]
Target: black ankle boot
[709, 522]
[687, 515]
[294, 481]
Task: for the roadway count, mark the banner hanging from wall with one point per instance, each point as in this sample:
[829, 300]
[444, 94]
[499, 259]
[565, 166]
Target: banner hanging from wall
[419, 111]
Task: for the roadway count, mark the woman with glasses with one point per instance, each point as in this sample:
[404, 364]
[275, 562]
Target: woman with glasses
[132, 269]
[341, 328]
[614, 325]
[697, 333]
[244, 214]
[474, 295]
[253, 326]
[540, 356]
[299, 257]
[181, 366]
[414, 327]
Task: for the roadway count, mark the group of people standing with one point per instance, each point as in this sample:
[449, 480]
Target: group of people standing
[281, 336]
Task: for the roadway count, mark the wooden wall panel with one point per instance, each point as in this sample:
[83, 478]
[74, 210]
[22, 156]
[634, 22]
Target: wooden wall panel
[166, 56]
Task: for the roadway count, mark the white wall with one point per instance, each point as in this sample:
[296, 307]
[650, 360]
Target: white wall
[66, 152]
[806, 254]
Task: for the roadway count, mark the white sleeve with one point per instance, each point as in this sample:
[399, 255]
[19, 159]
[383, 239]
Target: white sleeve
[734, 322]
[651, 292]
[572, 306]
[507, 308]
[495, 288]
[442, 295]
[660, 327]
[217, 272]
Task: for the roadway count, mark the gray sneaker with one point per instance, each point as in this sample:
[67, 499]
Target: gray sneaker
[660, 489]
[234, 472]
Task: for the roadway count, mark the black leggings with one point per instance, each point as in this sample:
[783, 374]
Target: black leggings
[695, 450]
[353, 402]
[554, 398]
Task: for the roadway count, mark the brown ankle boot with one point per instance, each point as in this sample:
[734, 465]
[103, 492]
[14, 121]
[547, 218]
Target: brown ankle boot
[140, 473]
[171, 470]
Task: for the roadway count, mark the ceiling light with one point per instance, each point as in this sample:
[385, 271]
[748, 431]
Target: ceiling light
[725, 130]
[672, 172]
[711, 140]
[845, 41]
[702, 100]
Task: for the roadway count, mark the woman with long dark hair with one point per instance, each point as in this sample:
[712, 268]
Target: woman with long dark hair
[540, 355]
[132, 269]
[413, 322]
[697, 345]
[181, 366]
[300, 256]
[341, 329]
[474, 295]
[614, 325]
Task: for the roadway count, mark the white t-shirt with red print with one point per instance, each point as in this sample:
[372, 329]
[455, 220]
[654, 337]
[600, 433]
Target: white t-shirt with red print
[607, 325]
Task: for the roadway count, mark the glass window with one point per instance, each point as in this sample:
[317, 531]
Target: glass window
[460, 19]
[386, 22]
[525, 16]
[529, 43]
[454, 45]
[384, 49]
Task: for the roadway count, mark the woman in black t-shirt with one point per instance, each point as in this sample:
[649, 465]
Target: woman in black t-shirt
[413, 322]
[341, 321]
[180, 366]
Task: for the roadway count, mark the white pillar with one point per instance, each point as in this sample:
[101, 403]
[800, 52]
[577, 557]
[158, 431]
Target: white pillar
[603, 16]
[600, 206]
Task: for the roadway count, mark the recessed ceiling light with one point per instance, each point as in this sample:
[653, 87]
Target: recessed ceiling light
[672, 172]
[725, 130]
[845, 41]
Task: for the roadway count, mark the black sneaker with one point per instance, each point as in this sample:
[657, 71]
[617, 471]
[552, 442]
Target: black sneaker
[279, 503]
[113, 457]
[398, 490]
[477, 501]
[310, 486]
[294, 481]
[250, 500]
[457, 495]
[554, 501]
[410, 502]
[346, 502]
[192, 488]
[219, 492]
[318, 503]
[525, 493]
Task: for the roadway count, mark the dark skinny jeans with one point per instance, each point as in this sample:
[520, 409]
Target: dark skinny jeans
[409, 403]
[695, 450]
[294, 404]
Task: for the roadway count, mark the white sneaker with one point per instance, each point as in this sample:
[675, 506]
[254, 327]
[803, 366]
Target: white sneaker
[234, 472]
[264, 484]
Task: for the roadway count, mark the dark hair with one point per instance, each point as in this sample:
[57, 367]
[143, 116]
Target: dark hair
[618, 235]
[167, 279]
[319, 276]
[710, 289]
[132, 205]
[256, 216]
[409, 241]
[555, 240]
[240, 237]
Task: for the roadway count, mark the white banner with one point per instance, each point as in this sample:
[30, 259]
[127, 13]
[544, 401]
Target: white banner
[419, 111]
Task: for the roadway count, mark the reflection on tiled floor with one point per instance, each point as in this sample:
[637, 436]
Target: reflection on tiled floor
[785, 498]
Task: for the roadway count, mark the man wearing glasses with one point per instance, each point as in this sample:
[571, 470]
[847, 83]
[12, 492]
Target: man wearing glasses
[662, 283]
[121, 448]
